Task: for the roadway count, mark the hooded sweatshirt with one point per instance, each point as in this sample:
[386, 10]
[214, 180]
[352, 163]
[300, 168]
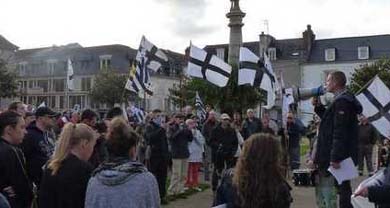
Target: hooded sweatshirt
[122, 183]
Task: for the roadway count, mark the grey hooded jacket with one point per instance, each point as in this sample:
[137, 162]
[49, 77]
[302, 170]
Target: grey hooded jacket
[122, 184]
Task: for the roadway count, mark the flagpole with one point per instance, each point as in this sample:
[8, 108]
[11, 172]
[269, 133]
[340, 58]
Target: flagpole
[144, 100]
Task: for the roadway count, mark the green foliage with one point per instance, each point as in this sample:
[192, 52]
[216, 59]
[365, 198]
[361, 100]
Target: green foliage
[109, 87]
[365, 73]
[228, 99]
[8, 83]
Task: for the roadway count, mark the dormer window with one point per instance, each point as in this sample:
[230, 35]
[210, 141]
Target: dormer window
[330, 54]
[272, 53]
[105, 61]
[221, 53]
[363, 53]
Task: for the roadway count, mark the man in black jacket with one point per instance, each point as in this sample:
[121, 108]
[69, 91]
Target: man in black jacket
[14, 182]
[251, 124]
[338, 132]
[157, 150]
[224, 144]
[38, 144]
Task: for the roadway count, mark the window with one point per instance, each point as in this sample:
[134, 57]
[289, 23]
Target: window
[86, 84]
[73, 100]
[52, 101]
[105, 62]
[221, 53]
[30, 100]
[363, 52]
[62, 102]
[44, 84]
[22, 68]
[51, 65]
[272, 53]
[59, 85]
[330, 54]
[30, 84]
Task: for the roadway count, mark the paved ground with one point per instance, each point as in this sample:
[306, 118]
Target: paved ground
[303, 198]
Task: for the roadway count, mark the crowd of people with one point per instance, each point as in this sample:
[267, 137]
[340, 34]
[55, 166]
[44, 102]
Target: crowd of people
[78, 159]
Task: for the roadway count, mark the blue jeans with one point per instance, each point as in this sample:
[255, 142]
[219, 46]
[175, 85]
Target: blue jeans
[295, 157]
[326, 194]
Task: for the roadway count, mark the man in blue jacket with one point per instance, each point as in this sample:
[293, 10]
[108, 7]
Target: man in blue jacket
[338, 132]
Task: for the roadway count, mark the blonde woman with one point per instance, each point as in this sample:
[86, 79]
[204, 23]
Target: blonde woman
[66, 175]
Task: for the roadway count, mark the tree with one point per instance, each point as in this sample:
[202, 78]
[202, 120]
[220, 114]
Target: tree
[228, 99]
[109, 87]
[366, 72]
[8, 83]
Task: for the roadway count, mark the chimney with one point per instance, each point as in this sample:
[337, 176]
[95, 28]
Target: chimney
[308, 39]
[265, 41]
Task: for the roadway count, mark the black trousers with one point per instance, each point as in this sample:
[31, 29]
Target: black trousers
[345, 192]
[219, 165]
[159, 168]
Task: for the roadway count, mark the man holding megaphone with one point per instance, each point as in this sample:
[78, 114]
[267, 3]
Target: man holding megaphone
[338, 131]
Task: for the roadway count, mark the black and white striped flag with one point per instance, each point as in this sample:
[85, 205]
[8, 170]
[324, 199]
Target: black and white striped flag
[375, 100]
[200, 108]
[70, 76]
[253, 72]
[208, 67]
[149, 57]
[138, 114]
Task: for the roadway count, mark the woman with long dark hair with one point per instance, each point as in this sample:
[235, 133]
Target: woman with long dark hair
[257, 180]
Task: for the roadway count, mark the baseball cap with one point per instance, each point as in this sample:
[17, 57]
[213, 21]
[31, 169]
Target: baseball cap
[225, 116]
[45, 111]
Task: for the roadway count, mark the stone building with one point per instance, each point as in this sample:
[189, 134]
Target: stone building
[341, 54]
[42, 73]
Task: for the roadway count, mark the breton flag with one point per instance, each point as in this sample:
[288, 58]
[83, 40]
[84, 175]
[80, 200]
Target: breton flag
[375, 100]
[200, 109]
[208, 67]
[149, 57]
[252, 71]
[138, 114]
[69, 77]
[43, 104]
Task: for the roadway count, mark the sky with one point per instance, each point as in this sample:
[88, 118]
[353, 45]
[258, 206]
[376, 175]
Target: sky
[172, 24]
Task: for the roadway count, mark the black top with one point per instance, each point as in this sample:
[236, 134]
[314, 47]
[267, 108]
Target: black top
[12, 174]
[179, 141]
[223, 142]
[156, 137]
[338, 132]
[227, 194]
[67, 188]
[251, 127]
[38, 147]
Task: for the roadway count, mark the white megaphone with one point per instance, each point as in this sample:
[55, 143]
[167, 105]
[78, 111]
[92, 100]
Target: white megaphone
[307, 93]
[300, 94]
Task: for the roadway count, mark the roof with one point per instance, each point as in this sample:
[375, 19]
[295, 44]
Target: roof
[5, 44]
[347, 48]
[286, 49]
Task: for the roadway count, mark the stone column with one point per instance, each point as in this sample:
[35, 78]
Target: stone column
[235, 17]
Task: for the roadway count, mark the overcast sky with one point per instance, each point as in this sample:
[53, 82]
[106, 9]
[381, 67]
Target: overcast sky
[171, 24]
